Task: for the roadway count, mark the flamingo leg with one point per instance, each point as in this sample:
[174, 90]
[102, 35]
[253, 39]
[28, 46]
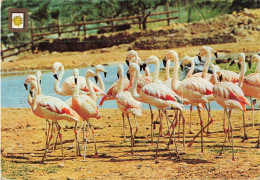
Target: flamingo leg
[151, 124]
[136, 126]
[76, 139]
[56, 141]
[173, 133]
[252, 105]
[94, 139]
[160, 129]
[244, 125]
[190, 132]
[131, 131]
[225, 132]
[183, 133]
[179, 126]
[201, 126]
[208, 119]
[123, 116]
[48, 133]
[85, 137]
[173, 126]
[169, 128]
[47, 146]
[60, 137]
[233, 157]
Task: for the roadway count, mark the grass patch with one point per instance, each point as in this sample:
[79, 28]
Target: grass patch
[51, 169]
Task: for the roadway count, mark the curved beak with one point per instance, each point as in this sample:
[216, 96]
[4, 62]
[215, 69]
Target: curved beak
[128, 75]
[26, 87]
[117, 75]
[249, 64]
[55, 76]
[144, 66]
[232, 62]
[31, 93]
[105, 74]
[239, 65]
[199, 58]
[127, 62]
[216, 54]
[164, 62]
[181, 67]
[220, 78]
[76, 80]
[96, 78]
[141, 67]
[40, 81]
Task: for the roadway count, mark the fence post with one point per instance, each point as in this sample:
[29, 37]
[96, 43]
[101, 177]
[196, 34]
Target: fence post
[32, 36]
[112, 23]
[58, 27]
[2, 51]
[84, 26]
[168, 14]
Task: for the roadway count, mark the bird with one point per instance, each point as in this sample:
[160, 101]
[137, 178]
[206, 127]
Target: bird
[193, 91]
[250, 84]
[99, 68]
[156, 95]
[229, 96]
[68, 84]
[127, 104]
[133, 57]
[147, 71]
[85, 105]
[51, 108]
[27, 81]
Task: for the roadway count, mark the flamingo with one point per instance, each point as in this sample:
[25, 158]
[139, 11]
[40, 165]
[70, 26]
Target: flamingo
[100, 68]
[51, 108]
[229, 95]
[147, 71]
[250, 84]
[126, 103]
[133, 57]
[68, 84]
[84, 105]
[195, 90]
[156, 95]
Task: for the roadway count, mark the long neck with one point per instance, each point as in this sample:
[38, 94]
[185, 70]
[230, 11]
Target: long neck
[100, 81]
[189, 74]
[214, 73]
[206, 65]
[57, 88]
[175, 79]
[167, 70]
[91, 90]
[242, 73]
[76, 90]
[257, 70]
[35, 95]
[134, 86]
[156, 71]
[39, 91]
[120, 83]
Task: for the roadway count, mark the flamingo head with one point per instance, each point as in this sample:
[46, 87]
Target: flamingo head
[76, 74]
[55, 68]
[120, 71]
[130, 55]
[254, 58]
[186, 60]
[33, 88]
[39, 76]
[170, 55]
[100, 68]
[147, 71]
[207, 50]
[91, 73]
[28, 80]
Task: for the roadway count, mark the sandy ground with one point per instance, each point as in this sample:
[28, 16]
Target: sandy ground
[116, 54]
[23, 142]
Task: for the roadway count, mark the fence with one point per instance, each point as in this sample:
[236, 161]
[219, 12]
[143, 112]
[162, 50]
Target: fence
[39, 34]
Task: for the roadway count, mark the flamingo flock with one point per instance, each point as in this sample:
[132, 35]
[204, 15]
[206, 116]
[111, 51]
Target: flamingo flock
[230, 90]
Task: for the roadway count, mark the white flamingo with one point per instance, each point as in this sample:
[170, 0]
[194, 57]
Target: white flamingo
[156, 95]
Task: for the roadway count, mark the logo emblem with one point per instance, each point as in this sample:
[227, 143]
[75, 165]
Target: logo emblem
[18, 19]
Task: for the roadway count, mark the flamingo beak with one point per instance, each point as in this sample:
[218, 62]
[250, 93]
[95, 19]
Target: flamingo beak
[141, 67]
[232, 62]
[55, 76]
[127, 62]
[144, 66]
[31, 93]
[40, 81]
[181, 67]
[254, 102]
[164, 62]
[105, 74]
[76, 80]
[128, 75]
[96, 78]
[216, 54]
[26, 87]
[249, 64]
[199, 58]
[117, 75]
[239, 65]
[220, 78]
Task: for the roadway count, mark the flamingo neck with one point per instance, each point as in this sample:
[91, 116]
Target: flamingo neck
[134, 85]
[91, 90]
[156, 71]
[57, 88]
[242, 73]
[147, 72]
[214, 73]
[167, 70]
[175, 79]
[100, 81]
[76, 90]
[120, 83]
[39, 91]
[35, 95]
[189, 74]
[206, 65]
[257, 70]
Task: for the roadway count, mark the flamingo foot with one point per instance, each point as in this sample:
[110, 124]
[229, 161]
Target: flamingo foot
[190, 143]
[167, 134]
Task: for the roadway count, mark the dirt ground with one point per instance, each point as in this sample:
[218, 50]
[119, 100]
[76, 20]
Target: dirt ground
[23, 142]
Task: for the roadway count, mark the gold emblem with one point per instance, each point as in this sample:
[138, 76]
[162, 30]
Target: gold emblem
[17, 20]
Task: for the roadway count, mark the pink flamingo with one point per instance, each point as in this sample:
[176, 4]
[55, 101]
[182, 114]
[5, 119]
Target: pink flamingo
[52, 108]
[156, 95]
[126, 103]
[229, 95]
[195, 90]
[84, 105]
[133, 57]
[67, 86]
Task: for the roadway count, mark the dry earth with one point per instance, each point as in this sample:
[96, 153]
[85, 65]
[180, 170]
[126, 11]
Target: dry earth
[23, 142]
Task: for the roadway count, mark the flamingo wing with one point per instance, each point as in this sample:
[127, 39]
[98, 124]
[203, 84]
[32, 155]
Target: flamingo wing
[253, 79]
[199, 85]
